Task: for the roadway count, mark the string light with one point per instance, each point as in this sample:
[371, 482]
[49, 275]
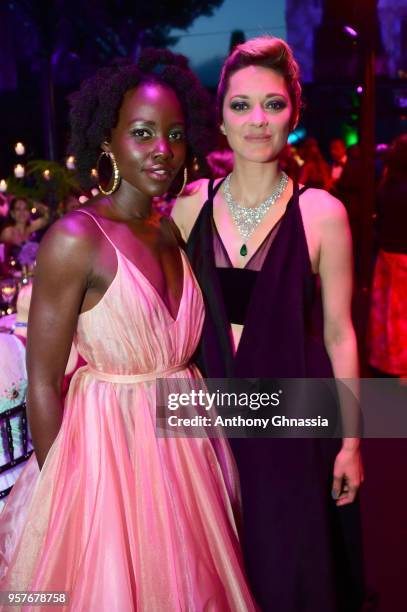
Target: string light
[19, 148]
[70, 162]
[19, 171]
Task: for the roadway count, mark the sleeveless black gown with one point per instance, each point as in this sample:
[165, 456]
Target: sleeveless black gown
[302, 553]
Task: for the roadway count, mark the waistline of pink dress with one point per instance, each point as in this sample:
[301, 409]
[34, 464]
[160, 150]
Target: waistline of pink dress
[134, 378]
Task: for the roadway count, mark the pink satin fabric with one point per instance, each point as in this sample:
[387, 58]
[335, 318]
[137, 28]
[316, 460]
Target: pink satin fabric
[119, 518]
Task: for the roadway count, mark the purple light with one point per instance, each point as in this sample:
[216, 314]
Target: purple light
[359, 89]
[350, 31]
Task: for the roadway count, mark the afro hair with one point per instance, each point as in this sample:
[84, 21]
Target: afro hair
[95, 107]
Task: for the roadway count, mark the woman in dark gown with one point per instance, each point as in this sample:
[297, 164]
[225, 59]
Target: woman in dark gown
[301, 520]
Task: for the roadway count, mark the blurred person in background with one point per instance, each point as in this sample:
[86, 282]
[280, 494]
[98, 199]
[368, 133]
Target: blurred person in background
[315, 170]
[347, 186]
[15, 447]
[291, 162]
[20, 226]
[4, 209]
[387, 337]
[70, 202]
[337, 149]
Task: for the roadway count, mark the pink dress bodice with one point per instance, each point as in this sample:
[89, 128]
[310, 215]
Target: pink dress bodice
[131, 331]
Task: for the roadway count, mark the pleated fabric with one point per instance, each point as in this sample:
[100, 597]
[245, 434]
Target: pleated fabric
[119, 518]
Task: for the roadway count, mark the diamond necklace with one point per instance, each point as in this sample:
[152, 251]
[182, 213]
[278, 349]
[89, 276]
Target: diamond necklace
[247, 219]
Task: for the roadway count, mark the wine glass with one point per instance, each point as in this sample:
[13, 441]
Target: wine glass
[8, 291]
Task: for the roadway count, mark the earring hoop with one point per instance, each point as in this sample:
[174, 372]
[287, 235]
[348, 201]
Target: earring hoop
[115, 173]
[184, 182]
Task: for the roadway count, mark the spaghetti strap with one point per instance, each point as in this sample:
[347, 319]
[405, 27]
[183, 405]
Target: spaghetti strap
[86, 212]
[210, 188]
[304, 188]
[216, 189]
[212, 191]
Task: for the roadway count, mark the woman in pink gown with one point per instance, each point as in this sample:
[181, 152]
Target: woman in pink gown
[118, 518]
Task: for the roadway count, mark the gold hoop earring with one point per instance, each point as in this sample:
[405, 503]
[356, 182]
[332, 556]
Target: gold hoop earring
[116, 174]
[184, 182]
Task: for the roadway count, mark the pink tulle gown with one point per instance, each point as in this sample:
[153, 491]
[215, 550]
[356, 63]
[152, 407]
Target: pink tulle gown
[122, 519]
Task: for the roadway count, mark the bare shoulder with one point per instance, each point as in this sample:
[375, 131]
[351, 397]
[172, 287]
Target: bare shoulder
[187, 208]
[321, 208]
[6, 233]
[70, 242]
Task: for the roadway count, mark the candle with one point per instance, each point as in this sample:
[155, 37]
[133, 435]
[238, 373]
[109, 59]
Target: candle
[8, 292]
[70, 162]
[94, 172]
[3, 185]
[46, 174]
[19, 171]
[19, 148]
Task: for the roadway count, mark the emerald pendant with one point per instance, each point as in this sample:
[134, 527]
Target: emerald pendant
[243, 250]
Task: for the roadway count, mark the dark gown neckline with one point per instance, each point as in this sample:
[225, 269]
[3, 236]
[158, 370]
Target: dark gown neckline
[233, 358]
[273, 230]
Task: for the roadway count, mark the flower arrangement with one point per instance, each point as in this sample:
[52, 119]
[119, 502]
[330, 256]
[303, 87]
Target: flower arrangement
[28, 254]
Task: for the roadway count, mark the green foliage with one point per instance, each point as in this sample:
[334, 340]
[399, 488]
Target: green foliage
[35, 186]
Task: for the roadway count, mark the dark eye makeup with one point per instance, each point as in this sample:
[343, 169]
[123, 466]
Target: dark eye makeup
[271, 104]
[142, 133]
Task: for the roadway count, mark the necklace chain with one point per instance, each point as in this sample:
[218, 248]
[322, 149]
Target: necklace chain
[247, 219]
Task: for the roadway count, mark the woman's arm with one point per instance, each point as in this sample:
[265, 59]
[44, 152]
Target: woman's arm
[7, 235]
[42, 221]
[61, 279]
[336, 272]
